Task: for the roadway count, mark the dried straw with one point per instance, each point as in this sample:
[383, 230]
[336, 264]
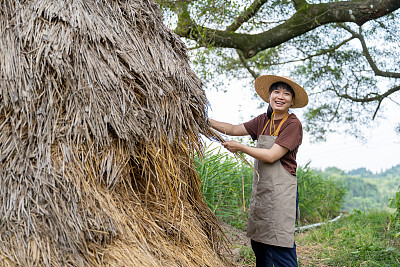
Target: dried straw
[99, 116]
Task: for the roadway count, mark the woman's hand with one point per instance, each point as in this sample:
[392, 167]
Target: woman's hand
[233, 146]
[267, 155]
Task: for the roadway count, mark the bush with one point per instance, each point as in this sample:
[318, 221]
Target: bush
[319, 198]
[395, 203]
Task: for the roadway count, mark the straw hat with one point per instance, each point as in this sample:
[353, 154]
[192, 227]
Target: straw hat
[264, 82]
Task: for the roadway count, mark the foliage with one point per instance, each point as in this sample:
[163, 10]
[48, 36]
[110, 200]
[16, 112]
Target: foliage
[361, 172]
[360, 239]
[395, 203]
[223, 187]
[319, 198]
[224, 181]
[366, 190]
[362, 194]
[392, 172]
[247, 256]
[341, 58]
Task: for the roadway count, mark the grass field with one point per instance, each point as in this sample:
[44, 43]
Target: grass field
[358, 239]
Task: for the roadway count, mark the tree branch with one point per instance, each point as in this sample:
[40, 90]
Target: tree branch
[307, 18]
[377, 108]
[377, 97]
[320, 53]
[244, 63]
[173, 3]
[299, 3]
[246, 15]
[367, 55]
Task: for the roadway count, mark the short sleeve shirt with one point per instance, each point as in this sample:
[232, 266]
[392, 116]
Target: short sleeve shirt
[290, 136]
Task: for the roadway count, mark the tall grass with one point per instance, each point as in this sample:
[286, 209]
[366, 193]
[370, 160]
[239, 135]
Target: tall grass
[224, 181]
[360, 239]
[319, 198]
[225, 178]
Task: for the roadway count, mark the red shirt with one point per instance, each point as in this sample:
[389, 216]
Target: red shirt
[290, 136]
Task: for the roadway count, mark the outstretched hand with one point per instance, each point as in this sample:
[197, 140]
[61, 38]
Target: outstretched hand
[233, 146]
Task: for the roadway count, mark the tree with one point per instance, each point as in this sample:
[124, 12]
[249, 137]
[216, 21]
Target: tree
[361, 172]
[345, 53]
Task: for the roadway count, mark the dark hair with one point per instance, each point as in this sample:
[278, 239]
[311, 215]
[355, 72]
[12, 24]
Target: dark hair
[275, 86]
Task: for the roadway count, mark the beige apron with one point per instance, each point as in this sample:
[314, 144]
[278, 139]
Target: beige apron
[272, 212]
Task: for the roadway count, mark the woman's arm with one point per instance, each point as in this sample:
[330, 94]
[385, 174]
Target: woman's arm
[229, 129]
[267, 155]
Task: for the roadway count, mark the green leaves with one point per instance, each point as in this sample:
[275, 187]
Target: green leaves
[395, 203]
[319, 198]
[341, 65]
[224, 181]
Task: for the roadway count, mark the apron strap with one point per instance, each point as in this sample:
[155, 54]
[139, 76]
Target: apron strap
[265, 127]
[280, 124]
[276, 132]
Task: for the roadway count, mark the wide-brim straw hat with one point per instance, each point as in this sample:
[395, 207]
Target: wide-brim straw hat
[264, 82]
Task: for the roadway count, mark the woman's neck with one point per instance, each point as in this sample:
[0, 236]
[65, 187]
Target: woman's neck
[280, 115]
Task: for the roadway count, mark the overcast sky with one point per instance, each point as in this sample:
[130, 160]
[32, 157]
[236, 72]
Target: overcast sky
[380, 152]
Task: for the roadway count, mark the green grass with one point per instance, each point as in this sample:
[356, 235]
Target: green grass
[224, 180]
[247, 256]
[319, 198]
[359, 239]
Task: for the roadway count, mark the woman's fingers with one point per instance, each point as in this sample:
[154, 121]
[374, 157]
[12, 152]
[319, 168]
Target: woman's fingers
[232, 146]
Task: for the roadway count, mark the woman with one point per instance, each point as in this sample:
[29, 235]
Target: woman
[274, 200]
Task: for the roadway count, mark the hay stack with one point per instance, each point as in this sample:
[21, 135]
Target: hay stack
[99, 116]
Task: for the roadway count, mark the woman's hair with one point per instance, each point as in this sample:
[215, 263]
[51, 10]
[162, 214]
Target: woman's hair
[275, 86]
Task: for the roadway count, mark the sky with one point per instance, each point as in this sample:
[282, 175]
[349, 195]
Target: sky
[379, 152]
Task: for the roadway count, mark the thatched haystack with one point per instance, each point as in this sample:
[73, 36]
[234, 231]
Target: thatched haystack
[99, 116]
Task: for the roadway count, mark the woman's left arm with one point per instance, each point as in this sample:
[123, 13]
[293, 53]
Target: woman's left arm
[267, 155]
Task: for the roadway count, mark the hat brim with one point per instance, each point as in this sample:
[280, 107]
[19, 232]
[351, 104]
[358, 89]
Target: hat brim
[264, 82]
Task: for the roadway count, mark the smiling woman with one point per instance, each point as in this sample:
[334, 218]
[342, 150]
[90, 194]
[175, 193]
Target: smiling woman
[274, 200]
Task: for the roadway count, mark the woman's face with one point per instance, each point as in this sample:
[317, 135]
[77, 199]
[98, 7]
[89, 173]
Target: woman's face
[280, 100]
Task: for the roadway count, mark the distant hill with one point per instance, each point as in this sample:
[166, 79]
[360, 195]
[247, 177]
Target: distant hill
[366, 190]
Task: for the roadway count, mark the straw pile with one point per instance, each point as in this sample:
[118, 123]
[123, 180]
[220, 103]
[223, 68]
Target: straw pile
[99, 117]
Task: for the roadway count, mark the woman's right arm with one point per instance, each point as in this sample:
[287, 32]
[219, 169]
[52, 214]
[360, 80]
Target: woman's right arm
[229, 129]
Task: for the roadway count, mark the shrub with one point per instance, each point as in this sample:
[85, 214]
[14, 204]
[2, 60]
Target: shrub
[319, 198]
[395, 203]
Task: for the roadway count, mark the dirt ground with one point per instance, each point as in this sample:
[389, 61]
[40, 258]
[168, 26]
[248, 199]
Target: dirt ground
[306, 255]
[238, 240]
